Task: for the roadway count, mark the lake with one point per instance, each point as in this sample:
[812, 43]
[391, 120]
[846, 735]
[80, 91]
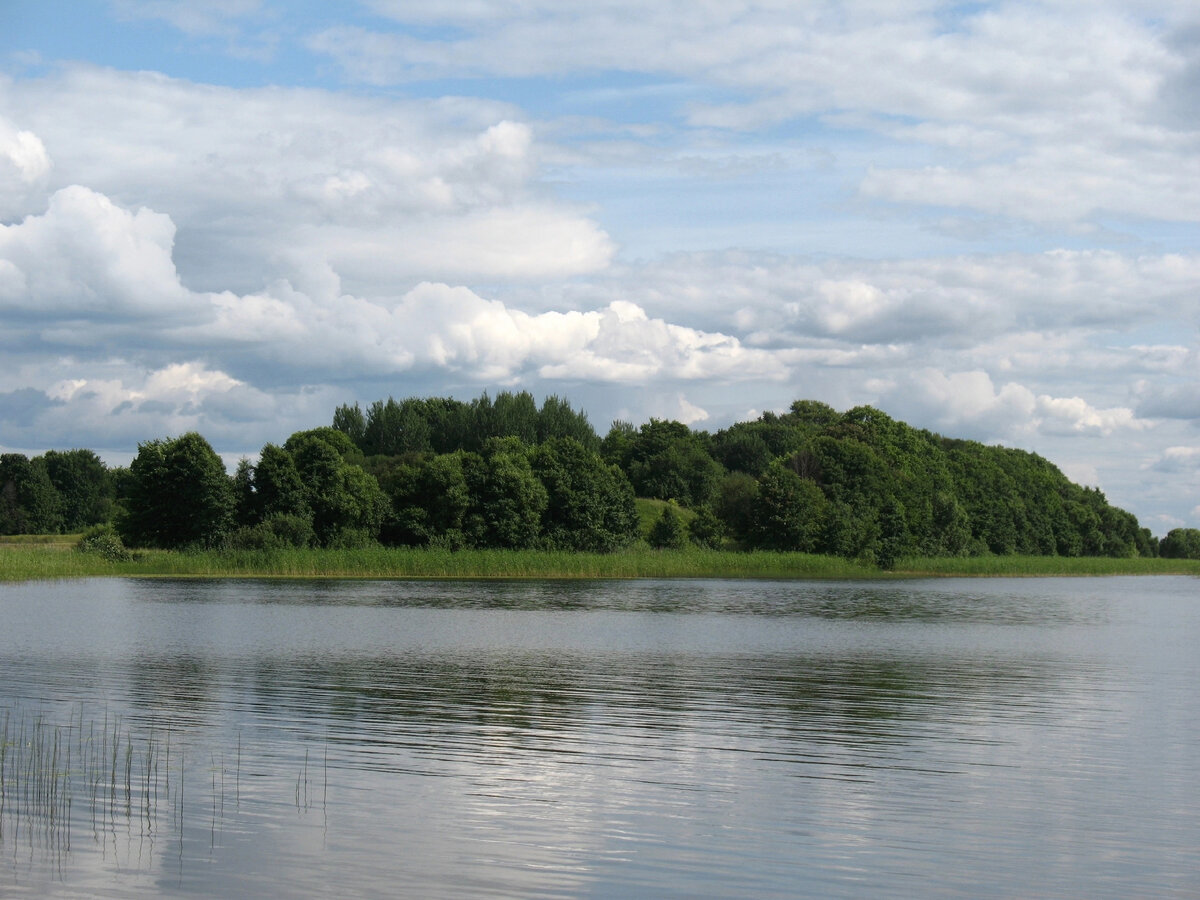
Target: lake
[954, 738]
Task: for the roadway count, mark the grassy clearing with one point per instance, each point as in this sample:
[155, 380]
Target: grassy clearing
[20, 561]
[649, 512]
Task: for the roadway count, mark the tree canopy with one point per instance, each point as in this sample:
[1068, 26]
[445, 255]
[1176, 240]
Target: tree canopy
[506, 472]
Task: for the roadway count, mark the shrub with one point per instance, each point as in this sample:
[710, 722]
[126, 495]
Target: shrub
[668, 532]
[273, 533]
[104, 541]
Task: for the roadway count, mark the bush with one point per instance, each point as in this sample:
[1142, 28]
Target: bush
[274, 533]
[706, 529]
[352, 539]
[668, 532]
[104, 541]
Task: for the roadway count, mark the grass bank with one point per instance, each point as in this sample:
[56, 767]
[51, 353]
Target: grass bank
[47, 559]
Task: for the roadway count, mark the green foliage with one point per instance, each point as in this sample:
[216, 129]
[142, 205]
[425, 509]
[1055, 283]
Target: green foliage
[790, 511]
[1181, 543]
[666, 460]
[273, 533]
[557, 419]
[503, 473]
[736, 505]
[179, 495]
[589, 504]
[278, 488]
[29, 503]
[706, 530]
[507, 498]
[343, 498]
[617, 446]
[743, 448]
[429, 496]
[336, 440]
[103, 541]
[443, 425]
[668, 532]
[81, 480]
[351, 422]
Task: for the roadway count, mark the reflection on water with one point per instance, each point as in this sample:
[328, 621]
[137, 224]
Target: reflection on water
[982, 737]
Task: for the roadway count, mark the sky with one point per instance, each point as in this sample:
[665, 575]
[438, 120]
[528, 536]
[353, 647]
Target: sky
[982, 218]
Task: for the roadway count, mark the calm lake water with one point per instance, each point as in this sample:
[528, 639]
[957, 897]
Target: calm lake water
[975, 738]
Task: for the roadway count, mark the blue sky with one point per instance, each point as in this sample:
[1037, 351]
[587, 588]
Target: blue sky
[233, 216]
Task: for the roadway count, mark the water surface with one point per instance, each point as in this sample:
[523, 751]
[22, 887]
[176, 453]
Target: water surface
[1006, 737]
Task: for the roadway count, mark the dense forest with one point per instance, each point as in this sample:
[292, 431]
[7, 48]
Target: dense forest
[508, 473]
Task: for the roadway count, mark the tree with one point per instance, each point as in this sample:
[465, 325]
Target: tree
[742, 449]
[1180, 543]
[81, 479]
[706, 530]
[667, 532]
[245, 501]
[351, 422]
[790, 511]
[429, 499]
[668, 461]
[29, 504]
[556, 419]
[393, 428]
[338, 441]
[590, 504]
[507, 498]
[179, 495]
[737, 497]
[279, 490]
[347, 504]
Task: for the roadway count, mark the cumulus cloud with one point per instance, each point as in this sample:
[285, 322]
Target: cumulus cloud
[87, 257]
[971, 404]
[114, 405]
[23, 152]
[1043, 112]
[90, 269]
[775, 300]
[387, 192]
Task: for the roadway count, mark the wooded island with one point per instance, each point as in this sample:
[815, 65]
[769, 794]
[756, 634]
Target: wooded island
[505, 473]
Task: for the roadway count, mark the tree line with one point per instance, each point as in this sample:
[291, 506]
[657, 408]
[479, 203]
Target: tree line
[510, 473]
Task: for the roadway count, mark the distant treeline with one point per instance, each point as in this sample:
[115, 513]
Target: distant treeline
[506, 472]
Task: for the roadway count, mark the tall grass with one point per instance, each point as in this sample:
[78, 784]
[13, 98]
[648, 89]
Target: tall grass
[1045, 566]
[47, 561]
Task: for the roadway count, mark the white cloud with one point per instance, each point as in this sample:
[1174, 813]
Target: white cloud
[1050, 112]
[1178, 461]
[102, 277]
[23, 152]
[970, 403]
[385, 191]
[87, 257]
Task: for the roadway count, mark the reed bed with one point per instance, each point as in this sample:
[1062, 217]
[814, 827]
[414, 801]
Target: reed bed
[113, 782]
[1035, 566]
[30, 561]
[51, 773]
[436, 563]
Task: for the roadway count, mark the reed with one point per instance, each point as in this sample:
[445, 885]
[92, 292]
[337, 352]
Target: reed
[29, 561]
[1032, 566]
[109, 778]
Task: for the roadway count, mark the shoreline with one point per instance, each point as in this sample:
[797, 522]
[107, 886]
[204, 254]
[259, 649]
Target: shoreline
[39, 559]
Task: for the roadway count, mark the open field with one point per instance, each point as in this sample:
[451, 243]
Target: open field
[37, 557]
